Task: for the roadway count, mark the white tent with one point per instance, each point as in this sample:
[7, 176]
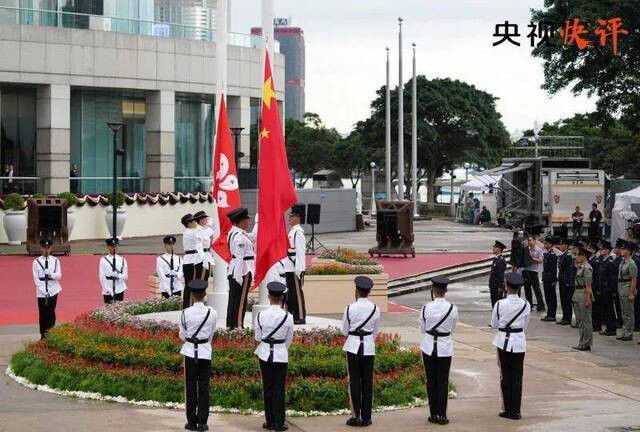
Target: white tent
[622, 213]
[481, 183]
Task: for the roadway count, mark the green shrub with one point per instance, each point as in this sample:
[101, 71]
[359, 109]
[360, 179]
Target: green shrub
[70, 198]
[37, 195]
[14, 201]
[120, 199]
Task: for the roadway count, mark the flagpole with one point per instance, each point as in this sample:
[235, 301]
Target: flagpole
[414, 137]
[387, 134]
[400, 117]
[219, 298]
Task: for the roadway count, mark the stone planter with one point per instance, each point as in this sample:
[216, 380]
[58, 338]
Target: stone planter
[121, 219]
[71, 219]
[154, 285]
[330, 294]
[15, 225]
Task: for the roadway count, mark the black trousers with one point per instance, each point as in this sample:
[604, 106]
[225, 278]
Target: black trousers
[551, 298]
[496, 293]
[618, 309]
[566, 301]
[197, 374]
[175, 294]
[437, 371]
[594, 232]
[112, 299]
[237, 304]
[360, 369]
[274, 379]
[511, 370]
[531, 280]
[47, 313]
[191, 272]
[596, 311]
[608, 311]
[295, 298]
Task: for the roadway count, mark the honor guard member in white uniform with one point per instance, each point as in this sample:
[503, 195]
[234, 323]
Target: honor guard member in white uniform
[438, 320]
[197, 325]
[511, 317]
[277, 274]
[46, 275]
[295, 265]
[113, 273]
[274, 333]
[241, 268]
[169, 270]
[194, 255]
[207, 235]
[361, 325]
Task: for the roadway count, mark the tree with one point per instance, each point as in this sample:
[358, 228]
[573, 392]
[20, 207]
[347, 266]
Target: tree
[456, 123]
[595, 70]
[351, 157]
[309, 146]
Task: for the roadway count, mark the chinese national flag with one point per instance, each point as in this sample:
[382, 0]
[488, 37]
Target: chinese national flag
[276, 193]
[225, 182]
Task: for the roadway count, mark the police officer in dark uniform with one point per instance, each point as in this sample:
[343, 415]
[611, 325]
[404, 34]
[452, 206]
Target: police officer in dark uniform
[566, 281]
[596, 267]
[608, 285]
[496, 278]
[550, 277]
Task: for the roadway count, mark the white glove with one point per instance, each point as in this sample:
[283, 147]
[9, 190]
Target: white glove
[256, 218]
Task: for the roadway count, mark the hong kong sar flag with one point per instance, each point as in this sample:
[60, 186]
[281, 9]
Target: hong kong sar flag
[225, 182]
[275, 189]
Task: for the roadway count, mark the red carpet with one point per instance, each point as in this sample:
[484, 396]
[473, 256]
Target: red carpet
[81, 289]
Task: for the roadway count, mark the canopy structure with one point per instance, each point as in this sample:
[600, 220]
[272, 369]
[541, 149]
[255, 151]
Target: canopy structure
[622, 212]
[482, 183]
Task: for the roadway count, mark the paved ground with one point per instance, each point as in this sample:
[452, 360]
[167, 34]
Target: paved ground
[564, 389]
[430, 236]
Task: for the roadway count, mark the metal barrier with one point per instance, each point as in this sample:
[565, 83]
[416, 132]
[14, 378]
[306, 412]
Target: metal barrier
[21, 185]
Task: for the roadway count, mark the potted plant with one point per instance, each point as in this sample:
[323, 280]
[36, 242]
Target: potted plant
[71, 201]
[121, 216]
[15, 219]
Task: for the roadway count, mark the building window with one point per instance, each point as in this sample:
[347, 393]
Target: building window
[92, 140]
[18, 137]
[193, 144]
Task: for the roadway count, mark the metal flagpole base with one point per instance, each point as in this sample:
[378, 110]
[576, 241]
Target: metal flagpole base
[219, 298]
[263, 303]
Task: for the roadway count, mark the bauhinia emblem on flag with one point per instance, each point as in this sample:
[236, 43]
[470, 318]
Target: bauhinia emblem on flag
[275, 189]
[225, 181]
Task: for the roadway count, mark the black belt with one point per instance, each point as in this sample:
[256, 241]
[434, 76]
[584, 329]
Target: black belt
[196, 342]
[272, 342]
[508, 331]
[291, 254]
[189, 252]
[437, 334]
[112, 278]
[247, 258]
[360, 334]
[206, 250]
[46, 278]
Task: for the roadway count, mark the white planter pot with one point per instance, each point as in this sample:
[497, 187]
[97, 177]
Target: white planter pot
[121, 218]
[15, 225]
[71, 219]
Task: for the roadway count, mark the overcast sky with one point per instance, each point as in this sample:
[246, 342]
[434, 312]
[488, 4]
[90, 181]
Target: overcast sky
[345, 51]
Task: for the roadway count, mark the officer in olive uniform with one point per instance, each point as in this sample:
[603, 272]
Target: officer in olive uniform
[360, 326]
[566, 281]
[627, 276]
[498, 268]
[618, 260]
[608, 286]
[583, 300]
[511, 317]
[550, 277]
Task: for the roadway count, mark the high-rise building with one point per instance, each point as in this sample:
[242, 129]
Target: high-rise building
[291, 41]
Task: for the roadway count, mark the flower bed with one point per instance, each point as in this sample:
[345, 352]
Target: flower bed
[112, 352]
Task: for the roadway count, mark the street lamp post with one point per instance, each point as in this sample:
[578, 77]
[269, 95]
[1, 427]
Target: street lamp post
[373, 188]
[467, 165]
[236, 131]
[115, 127]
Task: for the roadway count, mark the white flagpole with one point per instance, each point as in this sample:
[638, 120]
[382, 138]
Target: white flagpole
[400, 117]
[387, 134]
[219, 298]
[414, 137]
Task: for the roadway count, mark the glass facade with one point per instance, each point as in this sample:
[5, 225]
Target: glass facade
[18, 136]
[194, 144]
[92, 140]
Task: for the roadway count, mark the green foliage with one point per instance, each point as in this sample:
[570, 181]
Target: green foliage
[351, 157]
[37, 195]
[120, 199]
[456, 123]
[337, 269]
[70, 198]
[14, 201]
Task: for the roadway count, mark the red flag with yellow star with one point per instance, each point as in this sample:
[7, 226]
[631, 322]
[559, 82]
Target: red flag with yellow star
[275, 188]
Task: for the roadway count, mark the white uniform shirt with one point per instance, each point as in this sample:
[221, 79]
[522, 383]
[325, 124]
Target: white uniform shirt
[354, 315]
[276, 274]
[191, 241]
[241, 247]
[190, 320]
[165, 271]
[295, 260]
[430, 315]
[206, 233]
[503, 312]
[53, 271]
[121, 272]
[266, 322]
